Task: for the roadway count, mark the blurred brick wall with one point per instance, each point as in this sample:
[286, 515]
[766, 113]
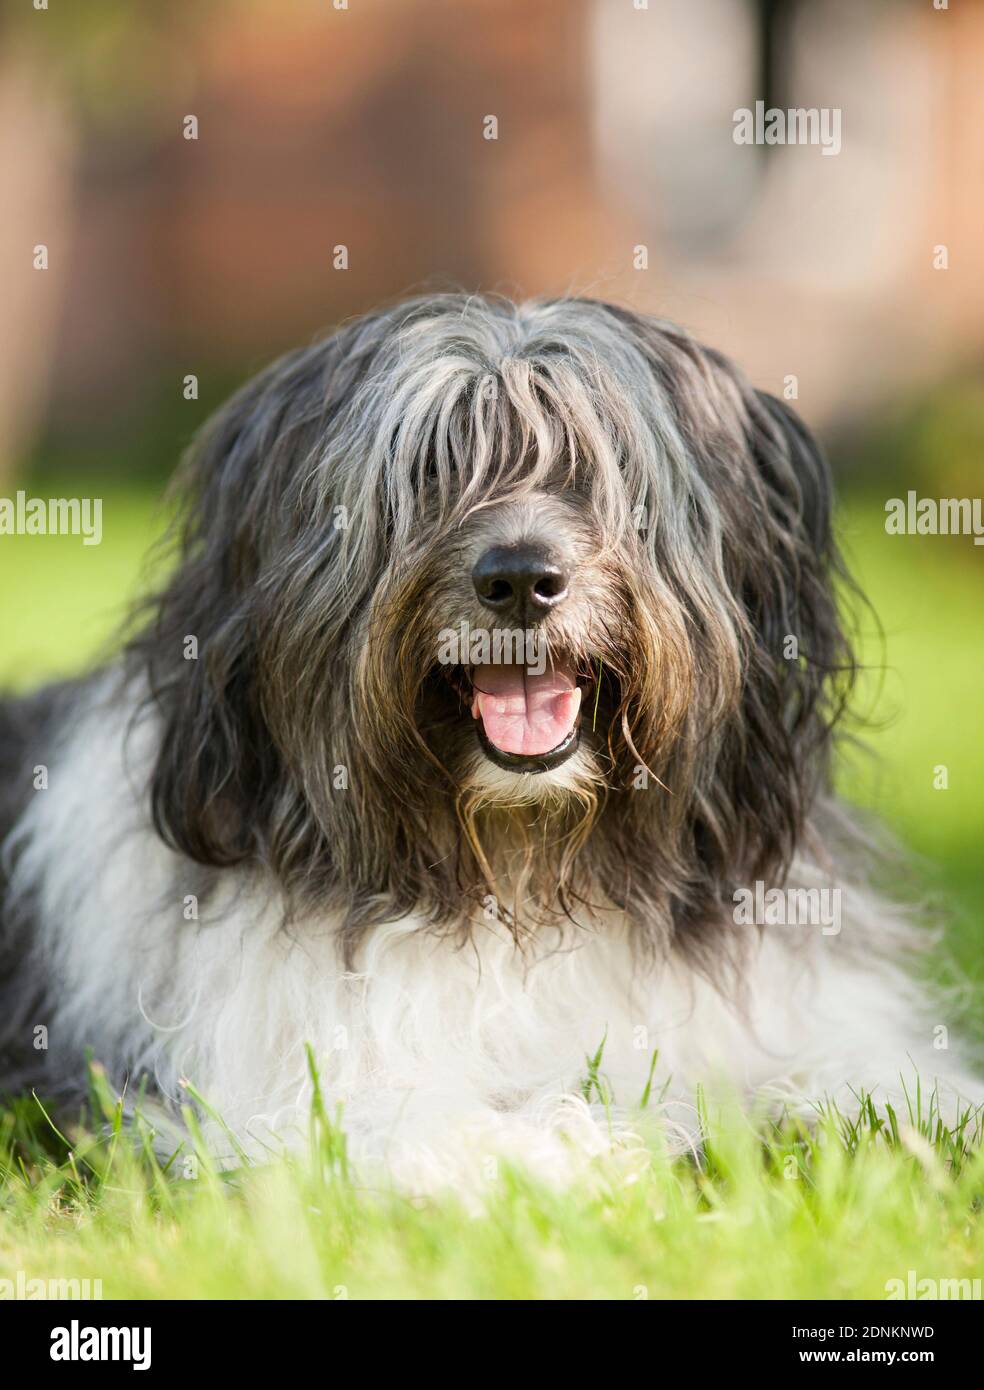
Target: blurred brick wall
[364, 127]
[320, 127]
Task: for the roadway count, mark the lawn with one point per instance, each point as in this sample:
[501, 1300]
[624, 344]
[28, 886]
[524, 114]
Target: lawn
[835, 1214]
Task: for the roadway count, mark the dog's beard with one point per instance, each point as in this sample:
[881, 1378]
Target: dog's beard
[527, 782]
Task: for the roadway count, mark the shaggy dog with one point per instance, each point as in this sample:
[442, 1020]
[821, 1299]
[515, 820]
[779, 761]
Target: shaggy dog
[485, 719]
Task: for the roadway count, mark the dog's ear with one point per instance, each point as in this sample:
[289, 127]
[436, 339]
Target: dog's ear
[785, 572]
[801, 665]
[258, 720]
[219, 776]
[199, 654]
[794, 469]
[791, 564]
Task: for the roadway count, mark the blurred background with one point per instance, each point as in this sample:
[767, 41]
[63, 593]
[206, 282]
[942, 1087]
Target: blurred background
[321, 125]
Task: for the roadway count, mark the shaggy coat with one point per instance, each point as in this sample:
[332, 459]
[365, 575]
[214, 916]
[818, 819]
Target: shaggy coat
[281, 818]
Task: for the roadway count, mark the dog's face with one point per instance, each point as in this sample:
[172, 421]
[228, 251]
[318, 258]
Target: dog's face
[492, 599]
[512, 603]
[515, 615]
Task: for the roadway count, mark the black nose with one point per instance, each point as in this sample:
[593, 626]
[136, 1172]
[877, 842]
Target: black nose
[519, 578]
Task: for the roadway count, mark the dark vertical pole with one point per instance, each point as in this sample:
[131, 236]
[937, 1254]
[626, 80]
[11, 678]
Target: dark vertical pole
[772, 26]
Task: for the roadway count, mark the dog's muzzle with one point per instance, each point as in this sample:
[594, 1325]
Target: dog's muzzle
[527, 719]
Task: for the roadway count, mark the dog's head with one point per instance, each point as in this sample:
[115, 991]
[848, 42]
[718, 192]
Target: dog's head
[523, 603]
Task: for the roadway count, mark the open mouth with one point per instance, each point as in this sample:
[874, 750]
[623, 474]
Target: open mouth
[526, 721]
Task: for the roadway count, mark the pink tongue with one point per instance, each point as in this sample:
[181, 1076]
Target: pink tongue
[523, 713]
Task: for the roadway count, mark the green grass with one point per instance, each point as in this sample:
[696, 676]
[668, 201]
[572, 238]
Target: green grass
[831, 1214]
[834, 1213]
[923, 699]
